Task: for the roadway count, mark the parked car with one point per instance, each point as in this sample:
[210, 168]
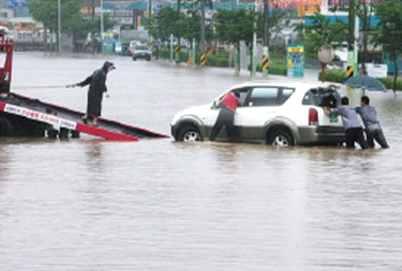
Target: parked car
[279, 114]
[139, 51]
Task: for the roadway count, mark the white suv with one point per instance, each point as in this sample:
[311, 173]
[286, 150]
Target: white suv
[281, 114]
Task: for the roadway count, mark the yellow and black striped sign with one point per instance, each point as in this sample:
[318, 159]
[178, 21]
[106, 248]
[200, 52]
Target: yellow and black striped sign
[265, 63]
[204, 59]
[178, 49]
[349, 71]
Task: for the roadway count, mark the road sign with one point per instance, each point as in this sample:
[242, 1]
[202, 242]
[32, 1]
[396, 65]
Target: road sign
[265, 63]
[349, 71]
[204, 59]
[295, 61]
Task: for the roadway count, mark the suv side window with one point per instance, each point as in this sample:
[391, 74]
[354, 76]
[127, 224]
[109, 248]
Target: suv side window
[263, 96]
[284, 95]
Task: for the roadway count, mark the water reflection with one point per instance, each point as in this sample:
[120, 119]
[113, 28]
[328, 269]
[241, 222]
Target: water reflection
[157, 205]
[94, 160]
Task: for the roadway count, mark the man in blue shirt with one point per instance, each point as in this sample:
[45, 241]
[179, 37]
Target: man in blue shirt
[371, 123]
[351, 123]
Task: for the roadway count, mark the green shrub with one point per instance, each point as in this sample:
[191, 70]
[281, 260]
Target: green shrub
[389, 83]
[278, 69]
[218, 60]
[336, 75]
[221, 59]
[339, 76]
[163, 54]
[274, 69]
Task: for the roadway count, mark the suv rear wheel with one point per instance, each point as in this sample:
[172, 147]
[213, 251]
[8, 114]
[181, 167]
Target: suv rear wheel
[189, 133]
[281, 138]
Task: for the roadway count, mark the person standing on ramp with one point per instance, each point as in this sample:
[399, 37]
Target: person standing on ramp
[97, 87]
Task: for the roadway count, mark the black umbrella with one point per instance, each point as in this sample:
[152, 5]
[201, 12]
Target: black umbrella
[366, 83]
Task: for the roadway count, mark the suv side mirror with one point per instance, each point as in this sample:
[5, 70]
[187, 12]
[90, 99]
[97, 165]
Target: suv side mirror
[214, 105]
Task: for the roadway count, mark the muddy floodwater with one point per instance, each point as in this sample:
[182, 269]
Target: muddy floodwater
[157, 205]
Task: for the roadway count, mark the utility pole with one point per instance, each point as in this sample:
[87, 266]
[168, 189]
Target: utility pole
[267, 33]
[178, 48]
[93, 4]
[202, 24]
[102, 27]
[59, 25]
[266, 20]
[353, 49]
[254, 49]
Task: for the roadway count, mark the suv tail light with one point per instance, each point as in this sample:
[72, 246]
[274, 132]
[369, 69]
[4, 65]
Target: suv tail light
[312, 117]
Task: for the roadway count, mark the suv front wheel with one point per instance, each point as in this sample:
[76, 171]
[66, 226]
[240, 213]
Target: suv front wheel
[280, 138]
[189, 133]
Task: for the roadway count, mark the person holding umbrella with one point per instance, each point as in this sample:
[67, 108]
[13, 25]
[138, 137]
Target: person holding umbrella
[97, 87]
[371, 123]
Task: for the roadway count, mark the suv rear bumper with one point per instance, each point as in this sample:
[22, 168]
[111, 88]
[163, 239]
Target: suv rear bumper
[321, 135]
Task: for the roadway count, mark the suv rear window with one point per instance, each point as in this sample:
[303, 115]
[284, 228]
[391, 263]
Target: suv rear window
[322, 97]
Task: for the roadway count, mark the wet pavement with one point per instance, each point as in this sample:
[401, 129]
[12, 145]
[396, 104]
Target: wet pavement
[157, 205]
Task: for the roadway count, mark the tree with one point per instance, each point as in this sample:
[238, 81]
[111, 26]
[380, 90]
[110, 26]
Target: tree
[363, 10]
[191, 26]
[235, 26]
[389, 33]
[321, 32]
[203, 4]
[270, 19]
[46, 11]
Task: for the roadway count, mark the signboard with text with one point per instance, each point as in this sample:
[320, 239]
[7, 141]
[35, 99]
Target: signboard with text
[295, 59]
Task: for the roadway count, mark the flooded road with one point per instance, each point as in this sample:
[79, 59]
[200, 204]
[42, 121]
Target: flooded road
[157, 205]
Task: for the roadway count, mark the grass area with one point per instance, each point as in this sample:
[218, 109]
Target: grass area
[221, 59]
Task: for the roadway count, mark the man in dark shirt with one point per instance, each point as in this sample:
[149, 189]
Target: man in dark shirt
[351, 123]
[97, 87]
[371, 123]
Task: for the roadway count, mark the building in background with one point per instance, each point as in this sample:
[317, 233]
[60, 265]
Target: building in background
[18, 7]
[126, 13]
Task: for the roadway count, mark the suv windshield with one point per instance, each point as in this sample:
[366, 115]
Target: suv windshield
[142, 48]
[322, 97]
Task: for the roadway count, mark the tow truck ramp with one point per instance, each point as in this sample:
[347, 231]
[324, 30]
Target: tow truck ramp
[19, 113]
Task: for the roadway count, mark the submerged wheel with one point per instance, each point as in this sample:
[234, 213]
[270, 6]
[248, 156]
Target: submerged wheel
[188, 134]
[75, 134]
[64, 134]
[280, 138]
[6, 128]
[52, 134]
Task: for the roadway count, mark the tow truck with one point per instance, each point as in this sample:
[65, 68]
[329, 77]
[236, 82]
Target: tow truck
[22, 116]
